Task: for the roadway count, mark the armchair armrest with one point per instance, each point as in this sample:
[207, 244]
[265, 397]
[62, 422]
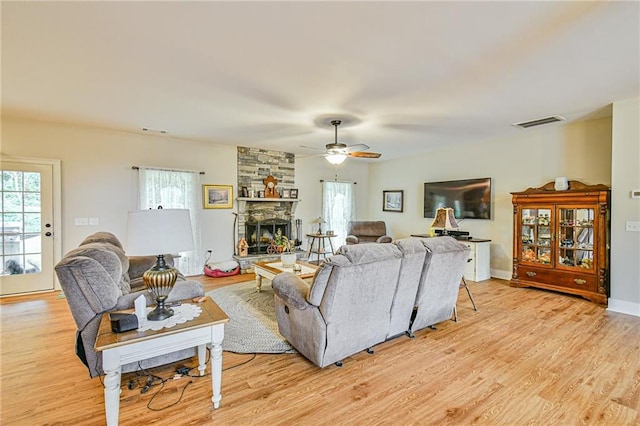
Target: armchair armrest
[384, 239]
[351, 239]
[291, 289]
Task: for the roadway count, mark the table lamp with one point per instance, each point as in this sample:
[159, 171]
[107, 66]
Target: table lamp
[319, 221]
[444, 219]
[156, 232]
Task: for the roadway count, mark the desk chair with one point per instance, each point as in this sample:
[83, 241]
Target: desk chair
[463, 283]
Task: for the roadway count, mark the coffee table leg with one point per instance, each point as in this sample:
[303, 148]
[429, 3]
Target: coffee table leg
[217, 333]
[112, 368]
[258, 282]
[202, 351]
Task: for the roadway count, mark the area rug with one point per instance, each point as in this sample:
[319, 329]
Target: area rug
[252, 326]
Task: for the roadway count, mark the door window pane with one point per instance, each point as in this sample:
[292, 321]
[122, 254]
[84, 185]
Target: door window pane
[32, 202]
[11, 181]
[12, 202]
[31, 182]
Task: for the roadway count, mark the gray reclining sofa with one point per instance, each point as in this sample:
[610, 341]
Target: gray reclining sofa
[369, 293]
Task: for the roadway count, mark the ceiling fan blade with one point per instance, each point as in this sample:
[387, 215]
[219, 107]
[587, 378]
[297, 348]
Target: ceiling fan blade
[357, 147]
[364, 154]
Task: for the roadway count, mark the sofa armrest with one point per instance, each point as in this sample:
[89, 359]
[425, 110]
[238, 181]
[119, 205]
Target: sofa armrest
[384, 239]
[351, 239]
[291, 289]
[182, 290]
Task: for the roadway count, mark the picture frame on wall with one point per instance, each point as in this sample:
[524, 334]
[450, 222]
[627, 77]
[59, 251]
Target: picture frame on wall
[393, 201]
[217, 196]
[294, 193]
[286, 193]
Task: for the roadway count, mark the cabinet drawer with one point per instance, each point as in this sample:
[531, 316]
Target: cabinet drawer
[584, 282]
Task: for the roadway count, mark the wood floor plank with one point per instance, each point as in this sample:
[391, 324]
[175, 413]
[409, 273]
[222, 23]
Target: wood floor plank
[527, 356]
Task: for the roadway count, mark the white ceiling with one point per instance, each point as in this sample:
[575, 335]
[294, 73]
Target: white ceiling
[411, 76]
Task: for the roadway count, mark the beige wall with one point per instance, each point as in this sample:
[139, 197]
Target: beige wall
[309, 172]
[97, 179]
[625, 246]
[580, 151]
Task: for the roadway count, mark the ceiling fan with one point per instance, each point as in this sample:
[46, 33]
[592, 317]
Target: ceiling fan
[337, 152]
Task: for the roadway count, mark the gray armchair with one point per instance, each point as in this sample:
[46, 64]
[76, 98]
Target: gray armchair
[367, 232]
[346, 308]
[96, 278]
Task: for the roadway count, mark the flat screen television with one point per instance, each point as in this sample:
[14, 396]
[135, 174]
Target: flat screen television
[469, 198]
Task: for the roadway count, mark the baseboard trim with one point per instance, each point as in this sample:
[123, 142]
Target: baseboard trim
[503, 275]
[624, 307]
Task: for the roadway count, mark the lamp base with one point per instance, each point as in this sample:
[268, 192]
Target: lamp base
[159, 281]
[160, 313]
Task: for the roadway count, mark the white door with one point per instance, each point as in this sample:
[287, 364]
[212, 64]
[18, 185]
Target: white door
[27, 228]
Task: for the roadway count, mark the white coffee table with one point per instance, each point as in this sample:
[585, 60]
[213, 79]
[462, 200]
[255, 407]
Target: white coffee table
[132, 346]
[269, 270]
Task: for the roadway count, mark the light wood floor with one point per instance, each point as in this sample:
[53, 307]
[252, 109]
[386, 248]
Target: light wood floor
[527, 357]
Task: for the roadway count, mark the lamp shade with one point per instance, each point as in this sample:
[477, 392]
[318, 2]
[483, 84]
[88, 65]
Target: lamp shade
[444, 219]
[319, 220]
[153, 232]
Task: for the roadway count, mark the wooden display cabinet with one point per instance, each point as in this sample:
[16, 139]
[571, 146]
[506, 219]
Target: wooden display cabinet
[561, 239]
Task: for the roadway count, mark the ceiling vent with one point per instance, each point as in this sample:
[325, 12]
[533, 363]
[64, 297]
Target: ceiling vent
[539, 121]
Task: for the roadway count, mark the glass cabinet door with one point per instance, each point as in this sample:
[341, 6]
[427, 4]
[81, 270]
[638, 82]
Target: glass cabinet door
[575, 238]
[536, 235]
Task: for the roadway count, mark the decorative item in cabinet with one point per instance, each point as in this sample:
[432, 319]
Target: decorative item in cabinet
[561, 239]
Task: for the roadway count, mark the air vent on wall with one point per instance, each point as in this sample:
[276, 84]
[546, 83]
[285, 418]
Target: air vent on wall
[539, 121]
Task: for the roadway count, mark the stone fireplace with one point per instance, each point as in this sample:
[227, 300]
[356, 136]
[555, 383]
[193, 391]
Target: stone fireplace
[260, 218]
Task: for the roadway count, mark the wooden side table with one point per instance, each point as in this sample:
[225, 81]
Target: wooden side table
[319, 241]
[132, 346]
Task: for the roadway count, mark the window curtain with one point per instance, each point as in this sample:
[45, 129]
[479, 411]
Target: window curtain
[338, 209]
[174, 189]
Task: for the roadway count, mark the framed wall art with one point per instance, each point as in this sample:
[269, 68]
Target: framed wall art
[294, 193]
[393, 201]
[217, 196]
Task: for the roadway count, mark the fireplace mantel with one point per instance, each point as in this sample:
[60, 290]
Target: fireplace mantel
[242, 206]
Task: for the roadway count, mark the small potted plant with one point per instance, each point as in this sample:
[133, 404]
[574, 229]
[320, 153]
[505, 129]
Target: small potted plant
[287, 257]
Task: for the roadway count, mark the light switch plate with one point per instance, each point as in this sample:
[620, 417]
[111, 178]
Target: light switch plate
[635, 193]
[94, 221]
[81, 221]
[632, 226]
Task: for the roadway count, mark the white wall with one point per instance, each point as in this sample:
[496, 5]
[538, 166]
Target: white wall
[580, 151]
[97, 179]
[625, 176]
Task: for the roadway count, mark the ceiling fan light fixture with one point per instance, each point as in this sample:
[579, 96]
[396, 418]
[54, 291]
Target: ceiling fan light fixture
[336, 158]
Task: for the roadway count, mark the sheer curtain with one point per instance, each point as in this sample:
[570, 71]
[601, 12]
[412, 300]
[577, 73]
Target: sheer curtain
[338, 209]
[174, 189]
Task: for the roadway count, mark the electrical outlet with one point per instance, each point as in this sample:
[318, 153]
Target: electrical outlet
[632, 226]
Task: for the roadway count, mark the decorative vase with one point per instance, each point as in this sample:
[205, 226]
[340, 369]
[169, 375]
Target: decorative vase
[288, 259]
[562, 184]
